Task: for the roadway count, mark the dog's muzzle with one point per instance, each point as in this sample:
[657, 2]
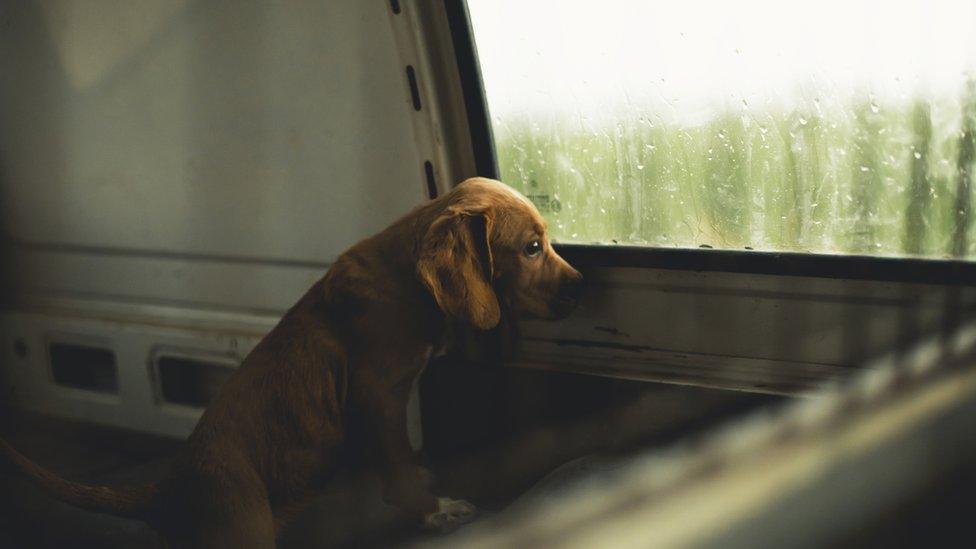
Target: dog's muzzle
[568, 295]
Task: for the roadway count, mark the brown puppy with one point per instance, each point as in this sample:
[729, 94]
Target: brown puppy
[351, 346]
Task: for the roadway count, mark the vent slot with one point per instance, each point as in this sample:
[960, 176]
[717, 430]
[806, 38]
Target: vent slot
[190, 382]
[84, 367]
[431, 182]
[414, 90]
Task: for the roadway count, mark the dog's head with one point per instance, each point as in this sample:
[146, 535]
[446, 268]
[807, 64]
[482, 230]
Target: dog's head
[489, 246]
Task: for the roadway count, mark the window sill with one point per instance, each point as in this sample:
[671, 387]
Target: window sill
[855, 267]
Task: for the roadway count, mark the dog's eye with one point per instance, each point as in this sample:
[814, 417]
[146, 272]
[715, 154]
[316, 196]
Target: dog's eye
[533, 248]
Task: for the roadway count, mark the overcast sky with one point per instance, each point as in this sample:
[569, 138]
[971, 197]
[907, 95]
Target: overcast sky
[684, 58]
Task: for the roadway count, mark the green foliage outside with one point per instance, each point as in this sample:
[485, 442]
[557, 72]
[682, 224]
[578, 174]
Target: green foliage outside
[863, 178]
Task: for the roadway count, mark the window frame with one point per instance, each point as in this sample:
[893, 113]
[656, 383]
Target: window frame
[807, 264]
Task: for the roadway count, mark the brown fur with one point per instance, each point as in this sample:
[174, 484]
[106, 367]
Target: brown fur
[351, 346]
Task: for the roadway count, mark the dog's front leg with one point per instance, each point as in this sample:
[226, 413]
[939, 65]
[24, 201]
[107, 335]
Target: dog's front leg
[406, 483]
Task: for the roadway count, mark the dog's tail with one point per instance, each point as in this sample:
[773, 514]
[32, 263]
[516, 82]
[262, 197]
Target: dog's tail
[128, 502]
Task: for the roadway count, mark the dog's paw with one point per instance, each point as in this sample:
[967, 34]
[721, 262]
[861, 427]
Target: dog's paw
[450, 514]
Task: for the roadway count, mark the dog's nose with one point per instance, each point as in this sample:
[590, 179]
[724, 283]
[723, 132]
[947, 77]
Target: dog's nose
[572, 286]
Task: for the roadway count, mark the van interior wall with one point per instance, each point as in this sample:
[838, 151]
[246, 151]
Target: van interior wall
[205, 126]
[186, 168]
[151, 152]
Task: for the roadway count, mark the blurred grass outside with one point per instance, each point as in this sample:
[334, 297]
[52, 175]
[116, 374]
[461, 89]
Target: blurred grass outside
[857, 177]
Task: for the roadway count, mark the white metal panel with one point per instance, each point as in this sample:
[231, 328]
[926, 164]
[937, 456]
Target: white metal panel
[161, 279]
[217, 128]
[133, 336]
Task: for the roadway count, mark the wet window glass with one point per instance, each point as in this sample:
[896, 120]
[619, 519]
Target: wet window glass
[840, 126]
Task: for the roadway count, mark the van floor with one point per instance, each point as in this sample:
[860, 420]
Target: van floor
[349, 514]
[102, 455]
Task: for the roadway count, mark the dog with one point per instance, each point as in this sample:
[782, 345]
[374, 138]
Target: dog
[351, 346]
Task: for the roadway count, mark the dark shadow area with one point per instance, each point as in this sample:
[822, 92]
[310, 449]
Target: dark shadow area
[82, 452]
[84, 367]
[938, 517]
[491, 432]
[190, 382]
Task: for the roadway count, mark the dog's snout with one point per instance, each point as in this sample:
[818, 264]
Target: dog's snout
[572, 286]
[568, 294]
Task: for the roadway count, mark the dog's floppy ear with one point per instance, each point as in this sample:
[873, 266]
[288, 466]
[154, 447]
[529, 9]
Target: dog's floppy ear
[456, 266]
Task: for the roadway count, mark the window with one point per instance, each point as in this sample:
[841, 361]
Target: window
[842, 126]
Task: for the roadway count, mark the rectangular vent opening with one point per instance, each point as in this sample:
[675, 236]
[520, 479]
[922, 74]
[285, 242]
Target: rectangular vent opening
[191, 382]
[84, 367]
